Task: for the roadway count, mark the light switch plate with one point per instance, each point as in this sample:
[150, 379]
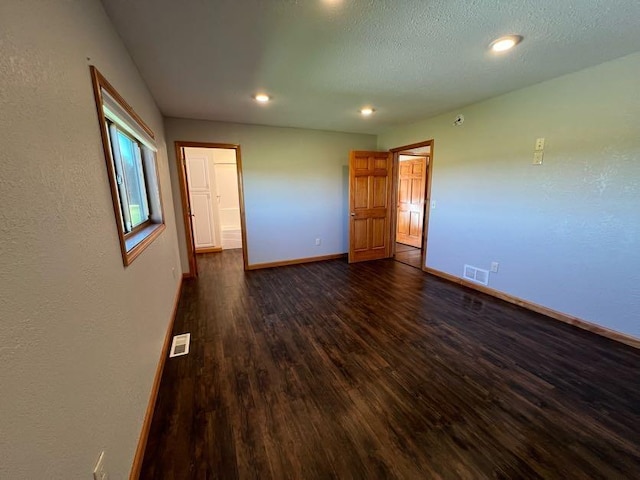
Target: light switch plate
[539, 144]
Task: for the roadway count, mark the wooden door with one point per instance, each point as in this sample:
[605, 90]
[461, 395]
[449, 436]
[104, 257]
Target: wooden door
[411, 190]
[370, 175]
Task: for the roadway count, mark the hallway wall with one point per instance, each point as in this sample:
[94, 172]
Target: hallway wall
[81, 334]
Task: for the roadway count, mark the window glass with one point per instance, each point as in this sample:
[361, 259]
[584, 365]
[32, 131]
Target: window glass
[134, 179]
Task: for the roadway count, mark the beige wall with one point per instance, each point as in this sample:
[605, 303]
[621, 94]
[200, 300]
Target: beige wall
[81, 335]
[566, 233]
[295, 185]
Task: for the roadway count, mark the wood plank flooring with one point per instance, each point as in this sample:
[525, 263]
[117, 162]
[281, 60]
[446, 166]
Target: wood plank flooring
[376, 370]
[408, 255]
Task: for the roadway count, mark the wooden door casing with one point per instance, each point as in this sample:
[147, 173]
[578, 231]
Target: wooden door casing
[186, 209]
[411, 196]
[370, 175]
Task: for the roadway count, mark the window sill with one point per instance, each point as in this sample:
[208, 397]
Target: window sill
[136, 243]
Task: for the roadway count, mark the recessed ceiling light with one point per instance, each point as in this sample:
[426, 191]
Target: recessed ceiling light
[262, 97]
[366, 111]
[505, 43]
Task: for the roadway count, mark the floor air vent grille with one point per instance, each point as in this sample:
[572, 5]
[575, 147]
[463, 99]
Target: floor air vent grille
[180, 345]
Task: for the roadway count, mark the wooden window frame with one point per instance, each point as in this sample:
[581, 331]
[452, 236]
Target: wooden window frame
[132, 243]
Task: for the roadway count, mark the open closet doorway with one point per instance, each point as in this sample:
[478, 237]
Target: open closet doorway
[213, 206]
[413, 174]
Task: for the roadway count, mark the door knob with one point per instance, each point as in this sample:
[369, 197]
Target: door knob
[353, 214]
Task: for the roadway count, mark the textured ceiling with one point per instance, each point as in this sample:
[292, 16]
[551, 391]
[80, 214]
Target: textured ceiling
[322, 60]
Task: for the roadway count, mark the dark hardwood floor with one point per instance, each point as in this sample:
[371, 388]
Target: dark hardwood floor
[377, 370]
[408, 255]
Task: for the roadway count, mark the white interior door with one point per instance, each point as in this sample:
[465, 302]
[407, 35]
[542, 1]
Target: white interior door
[200, 197]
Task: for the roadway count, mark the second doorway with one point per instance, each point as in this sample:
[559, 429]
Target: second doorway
[412, 177]
[212, 178]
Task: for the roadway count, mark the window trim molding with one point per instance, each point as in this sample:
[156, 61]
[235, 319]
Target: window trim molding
[132, 244]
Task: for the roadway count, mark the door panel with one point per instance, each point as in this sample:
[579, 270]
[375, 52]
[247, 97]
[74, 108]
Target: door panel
[415, 227]
[361, 192]
[360, 240]
[370, 205]
[404, 189]
[378, 237]
[202, 228]
[361, 164]
[417, 191]
[404, 222]
[197, 172]
[380, 163]
[379, 192]
[411, 191]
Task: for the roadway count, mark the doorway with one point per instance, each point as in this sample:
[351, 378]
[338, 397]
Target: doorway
[412, 194]
[212, 199]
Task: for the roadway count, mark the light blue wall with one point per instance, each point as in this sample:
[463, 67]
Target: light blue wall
[295, 185]
[567, 233]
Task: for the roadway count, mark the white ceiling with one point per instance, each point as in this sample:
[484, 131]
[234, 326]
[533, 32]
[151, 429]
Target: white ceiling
[322, 60]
